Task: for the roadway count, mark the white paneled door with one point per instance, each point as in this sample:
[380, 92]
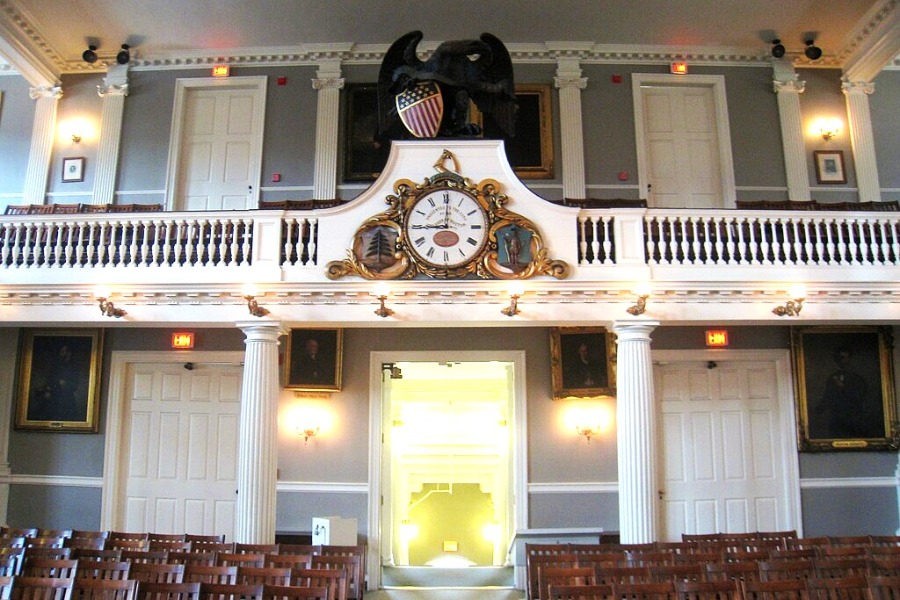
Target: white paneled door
[181, 435]
[723, 448]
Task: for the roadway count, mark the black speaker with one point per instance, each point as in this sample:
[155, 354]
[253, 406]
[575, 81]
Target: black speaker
[777, 48]
[812, 52]
[89, 55]
[124, 56]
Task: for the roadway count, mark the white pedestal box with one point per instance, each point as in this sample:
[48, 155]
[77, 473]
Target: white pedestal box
[334, 531]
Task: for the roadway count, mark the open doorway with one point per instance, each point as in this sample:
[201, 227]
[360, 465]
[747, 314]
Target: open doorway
[451, 460]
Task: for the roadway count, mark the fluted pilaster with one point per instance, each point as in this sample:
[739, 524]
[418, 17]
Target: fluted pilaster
[42, 131]
[788, 89]
[113, 92]
[862, 140]
[636, 417]
[257, 444]
[329, 85]
[569, 82]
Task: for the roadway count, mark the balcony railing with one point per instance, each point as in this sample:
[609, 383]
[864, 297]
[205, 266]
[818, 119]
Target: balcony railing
[223, 246]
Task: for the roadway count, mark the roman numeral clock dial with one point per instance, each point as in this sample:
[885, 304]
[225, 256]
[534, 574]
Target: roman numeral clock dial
[446, 228]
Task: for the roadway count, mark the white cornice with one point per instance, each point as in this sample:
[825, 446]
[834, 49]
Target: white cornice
[874, 43]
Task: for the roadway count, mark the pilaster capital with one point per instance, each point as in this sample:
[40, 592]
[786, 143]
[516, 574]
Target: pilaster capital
[112, 90]
[54, 92]
[327, 83]
[570, 82]
[634, 331]
[793, 86]
[261, 330]
[857, 87]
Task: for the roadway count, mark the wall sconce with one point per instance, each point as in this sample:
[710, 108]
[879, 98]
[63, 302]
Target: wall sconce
[107, 308]
[588, 431]
[76, 138]
[829, 128]
[307, 431]
[792, 307]
[516, 291]
[642, 292]
[382, 291]
[249, 293]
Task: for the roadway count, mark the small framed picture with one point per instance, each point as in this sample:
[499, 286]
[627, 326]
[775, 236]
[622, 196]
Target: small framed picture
[73, 169]
[59, 372]
[582, 362]
[830, 166]
[314, 360]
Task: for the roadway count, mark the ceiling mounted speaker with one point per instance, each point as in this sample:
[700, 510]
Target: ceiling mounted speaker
[124, 56]
[812, 52]
[777, 48]
[89, 55]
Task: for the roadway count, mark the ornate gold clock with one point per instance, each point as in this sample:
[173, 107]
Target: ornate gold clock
[447, 228]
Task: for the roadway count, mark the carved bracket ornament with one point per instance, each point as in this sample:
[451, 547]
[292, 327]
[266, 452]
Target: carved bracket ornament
[447, 228]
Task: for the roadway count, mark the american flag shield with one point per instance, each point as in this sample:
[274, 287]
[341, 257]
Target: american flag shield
[421, 109]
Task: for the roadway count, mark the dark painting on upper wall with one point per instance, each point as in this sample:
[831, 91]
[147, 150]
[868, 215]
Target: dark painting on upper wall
[530, 152]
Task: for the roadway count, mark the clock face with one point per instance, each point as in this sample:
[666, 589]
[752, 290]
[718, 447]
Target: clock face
[446, 228]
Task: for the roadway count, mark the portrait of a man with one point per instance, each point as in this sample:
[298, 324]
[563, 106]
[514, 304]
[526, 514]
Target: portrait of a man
[583, 363]
[314, 359]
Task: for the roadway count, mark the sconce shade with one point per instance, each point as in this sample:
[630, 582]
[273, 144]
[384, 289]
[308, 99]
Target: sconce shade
[777, 48]
[90, 55]
[124, 56]
[812, 52]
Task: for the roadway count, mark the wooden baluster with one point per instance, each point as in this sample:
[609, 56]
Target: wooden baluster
[784, 228]
[245, 243]
[830, 226]
[764, 246]
[58, 256]
[18, 257]
[313, 236]
[895, 241]
[582, 239]
[753, 245]
[79, 246]
[164, 232]
[121, 232]
[155, 229]
[4, 249]
[179, 232]
[142, 229]
[741, 242]
[211, 227]
[71, 234]
[852, 244]
[841, 246]
[607, 240]
[289, 243]
[729, 240]
[595, 243]
[673, 240]
[102, 253]
[26, 256]
[234, 229]
[798, 244]
[807, 241]
[708, 257]
[818, 226]
[885, 246]
[34, 252]
[874, 248]
[649, 226]
[690, 247]
[190, 243]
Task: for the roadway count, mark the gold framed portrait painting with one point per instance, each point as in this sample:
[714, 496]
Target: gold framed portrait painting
[59, 372]
[843, 378]
[582, 362]
[313, 360]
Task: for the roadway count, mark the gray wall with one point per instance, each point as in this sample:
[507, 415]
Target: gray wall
[16, 120]
[883, 104]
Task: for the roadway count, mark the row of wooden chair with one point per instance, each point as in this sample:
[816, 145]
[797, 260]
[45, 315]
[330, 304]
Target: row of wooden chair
[53, 588]
[64, 209]
[849, 588]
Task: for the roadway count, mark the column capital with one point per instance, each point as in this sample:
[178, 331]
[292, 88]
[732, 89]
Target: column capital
[262, 330]
[327, 83]
[570, 82]
[857, 87]
[634, 331]
[55, 92]
[796, 86]
[112, 90]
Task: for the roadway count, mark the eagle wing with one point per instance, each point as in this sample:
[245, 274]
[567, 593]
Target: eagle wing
[400, 58]
[495, 96]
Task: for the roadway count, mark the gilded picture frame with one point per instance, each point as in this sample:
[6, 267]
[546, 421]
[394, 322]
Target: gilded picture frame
[843, 378]
[313, 360]
[582, 362]
[58, 385]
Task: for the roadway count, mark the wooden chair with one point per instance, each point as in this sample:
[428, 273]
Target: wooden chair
[884, 567]
[25, 532]
[84, 543]
[17, 209]
[166, 537]
[212, 547]
[838, 588]
[850, 540]
[255, 548]
[813, 542]
[12, 542]
[775, 570]
[9, 566]
[210, 573]
[563, 576]
[117, 544]
[699, 558]
[334, 580]
[622, 575]
[103, 569]
[746, 555]
[299, 549]
[783, 589]
[89, 554]
[581, 592]
[358, 579]
[884, 587]
[885, 540]
[230, 591]
[288, 592]
[41, 588]
[6, 582]
[63, 533]
[241, 560]
[192, 558]
[736, 571]
[89, 533]
[128, 535]
[264, 575]
[291, 561]
[645, 591]
[879, 551]
[535, 562]
[168, 591]
[49, 567]
[676, 573]
[841, 552]
[708, 590]
[146, 556]
[48, 552]
[649, 559]
[157, 573]
[170, 546]
[104, 589]
[12, 558]
[352, 564]
[215, 539]
[793, 554]
[834, 568]
[45, 542]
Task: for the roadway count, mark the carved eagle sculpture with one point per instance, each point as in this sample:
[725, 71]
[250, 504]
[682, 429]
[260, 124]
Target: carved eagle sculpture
[427, 99]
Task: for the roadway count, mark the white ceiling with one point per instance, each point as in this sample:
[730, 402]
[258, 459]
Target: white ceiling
[56, 32]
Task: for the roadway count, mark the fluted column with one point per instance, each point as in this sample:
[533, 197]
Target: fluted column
[788, 89]
[861, 139]
[636, 423]
[42, 132]
[258, 436]
[329, 84]
[569, 82]
[113, 92]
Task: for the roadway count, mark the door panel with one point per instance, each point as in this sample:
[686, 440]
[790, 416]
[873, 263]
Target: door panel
[721, 444]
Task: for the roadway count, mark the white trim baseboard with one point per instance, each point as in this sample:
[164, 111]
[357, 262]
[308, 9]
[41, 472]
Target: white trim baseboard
[57, 480]
[848, 482]
[591, 487]
[322, 487]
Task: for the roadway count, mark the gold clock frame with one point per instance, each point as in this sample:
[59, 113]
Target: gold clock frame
[514, 248]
